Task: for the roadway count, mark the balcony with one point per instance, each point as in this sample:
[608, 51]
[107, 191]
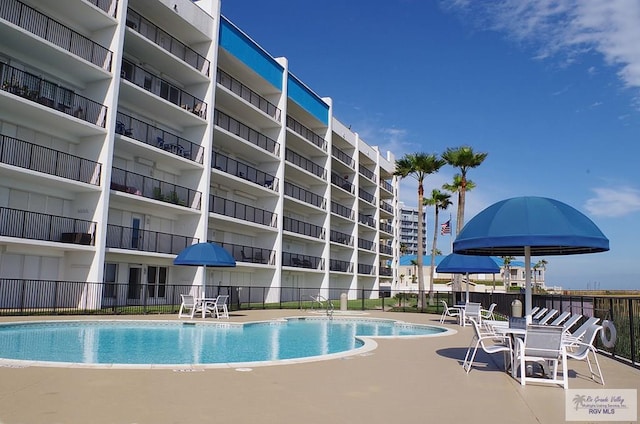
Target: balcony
[365, 244]
[156, 137]
[367, 220]
[386, 185]
[108, 6]
[131, 238]
[51, 95]
[304, 228]
[386, 250]
[38, 158]
[341, 210]
[365, 195]
[248, 94]
[56, 33]
[342, 157]
[241, 170]
[343, 183]
[386, 207]
[304, 195]
[302, 261]
[241, 130]
[241, 211]
[340, 237]
[39, 226]
[306, 133]
[163, 89]
[249, 254]
[152, 188]
[386, 228]
[367, 173]
[306, 164]
[386, 272]
[340, 266]
[366, 269]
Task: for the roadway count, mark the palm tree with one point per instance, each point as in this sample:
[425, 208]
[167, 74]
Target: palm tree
[441, 201]
[419, 165]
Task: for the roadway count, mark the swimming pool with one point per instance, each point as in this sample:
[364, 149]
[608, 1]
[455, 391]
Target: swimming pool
[162, 344]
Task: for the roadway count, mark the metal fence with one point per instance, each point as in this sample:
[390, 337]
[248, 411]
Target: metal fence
[51, 297]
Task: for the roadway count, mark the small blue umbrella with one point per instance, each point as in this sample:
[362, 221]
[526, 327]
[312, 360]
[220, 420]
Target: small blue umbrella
[467, 264]
[530, 226]
[205, 255]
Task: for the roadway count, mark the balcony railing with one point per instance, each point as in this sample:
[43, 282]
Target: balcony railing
[163, 89]
[161, 38]
[386, 272]
[152, 188]
[305, 163]
[386, 228]
[340, 266]
[366, 269]
[53, 31]
[241, 211]
[386, 250]
[386, 206]
[367, 172]
[132, 238]
[386, 185]
[236, 127]
[301, 227]
[306, 133]
[248, 94]
[302, 261]
[306, 196]
[367, 220]
[365, 244]
[341, 182]
[244, 171]
[49, 94]
[250, 254]
[365, 195]
[108, 6]
[44, 227]
[340, 237]
[341, 210]
[342, 156]
[154, 136]
[49, 161]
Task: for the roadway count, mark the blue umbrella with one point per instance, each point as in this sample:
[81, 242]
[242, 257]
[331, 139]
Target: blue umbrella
[530, 226]
[205, 255]
[467, 264]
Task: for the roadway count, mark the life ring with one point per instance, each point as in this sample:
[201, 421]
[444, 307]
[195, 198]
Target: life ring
[611, 339]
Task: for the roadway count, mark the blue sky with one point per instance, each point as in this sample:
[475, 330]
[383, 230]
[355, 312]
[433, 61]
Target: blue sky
[549, 89]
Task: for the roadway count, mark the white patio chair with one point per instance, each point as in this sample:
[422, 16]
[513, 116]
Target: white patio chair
[188, 306]
[569, 323]
[490, 342]
[472, 311]
[539, 313]
[572, 338]
[543, 345]
[534, 310]
[488, 313]
[580, 351]
[561, 318]
[547, 317]
[218, 307]
[448, 311]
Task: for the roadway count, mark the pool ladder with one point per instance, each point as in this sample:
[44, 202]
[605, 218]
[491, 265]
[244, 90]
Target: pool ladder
[322, 301]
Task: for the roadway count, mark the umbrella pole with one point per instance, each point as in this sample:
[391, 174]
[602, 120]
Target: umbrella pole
[527, 280]
[466, 300]
[204, 283]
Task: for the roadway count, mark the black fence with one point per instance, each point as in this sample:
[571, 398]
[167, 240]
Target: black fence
[51, 297]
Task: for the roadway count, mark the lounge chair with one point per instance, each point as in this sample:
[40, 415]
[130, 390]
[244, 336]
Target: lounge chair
[448, 311]
[488, 313]
[561, 318]
[573, 338]
[489, 341]
[188, 307]
[547, 317]
[580, 351]
[573, 320]
[540, 313]
[543, 345]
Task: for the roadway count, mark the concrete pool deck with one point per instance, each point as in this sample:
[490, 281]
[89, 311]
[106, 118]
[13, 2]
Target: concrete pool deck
[402, 380]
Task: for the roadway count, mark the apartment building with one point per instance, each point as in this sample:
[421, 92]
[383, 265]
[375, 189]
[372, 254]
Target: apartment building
[408, 237]
[131, 129]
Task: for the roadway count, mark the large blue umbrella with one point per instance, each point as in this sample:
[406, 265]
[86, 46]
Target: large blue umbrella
[525, 226]
[467, 264]
[205, 255]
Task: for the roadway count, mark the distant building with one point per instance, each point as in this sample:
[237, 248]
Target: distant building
[409, 229]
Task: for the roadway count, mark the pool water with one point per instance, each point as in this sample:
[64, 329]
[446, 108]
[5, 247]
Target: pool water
[179, 342]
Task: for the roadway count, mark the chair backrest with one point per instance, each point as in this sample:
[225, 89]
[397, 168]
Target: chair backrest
[583, 328]
[222, 299]
[560, 319]
[573, 320]
[472, 310]
[534, 310]
[539, 314]
[587, 341]
[548, 316]
[188, 299]
[492, 307]
[543, 341]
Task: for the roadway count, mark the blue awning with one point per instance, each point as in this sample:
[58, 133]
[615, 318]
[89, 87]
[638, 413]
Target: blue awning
[205, 254]
[467, 264]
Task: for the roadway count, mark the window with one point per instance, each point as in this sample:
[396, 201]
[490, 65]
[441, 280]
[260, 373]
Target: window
[156, 281]
[110, 278]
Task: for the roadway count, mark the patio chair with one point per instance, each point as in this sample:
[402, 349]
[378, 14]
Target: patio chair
[561, 318]
[581, 350]
[472, 311]
[489, 341]
[573, 338]
[573, 320]
[539, 314]
[488, 313]
[188, 307]
[534, 310]
[218, 307]
[547, 317]
[448, 311]
[542, 345]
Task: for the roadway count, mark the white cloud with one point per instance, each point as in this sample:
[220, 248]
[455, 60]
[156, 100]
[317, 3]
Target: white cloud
[609, 202]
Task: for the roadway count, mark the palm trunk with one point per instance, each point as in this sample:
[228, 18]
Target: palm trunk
[419, 259]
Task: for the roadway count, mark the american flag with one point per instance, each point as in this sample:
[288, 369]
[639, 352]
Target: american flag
[445, 228]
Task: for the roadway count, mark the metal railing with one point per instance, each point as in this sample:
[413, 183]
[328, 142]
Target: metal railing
[367, 220]
[301, 227]
[152, 188]
[243, 131]
[386, 228]
[340, 265]
[386, 185]
[306, 196]
[158, 36]
[366, 269]
[343, 183]
[51, 95]
[56, 33]
[302, 261]
[235, 86]
[40, 226]
[157, 137]
[242, 170]
[340, 237]
[106, 5]
[342, 210]
[38, 158]
[342, 156]
[306, 133]
[304, 163]
[367, 172]
[242, 211]
[365, 195]
[132, 238]
[163, 89]
[385, 250]
[386, 206]
[365, 244]
[249, 254]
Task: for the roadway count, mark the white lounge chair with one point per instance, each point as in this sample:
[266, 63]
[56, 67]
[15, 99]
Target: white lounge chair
[448, 311]
[539, 314]
[489, 341]
[572, 338]
[580, 351]
[542, 344]
[569, 323]
[561, 318]
[488, 313]
[547, 317]
[188, 307]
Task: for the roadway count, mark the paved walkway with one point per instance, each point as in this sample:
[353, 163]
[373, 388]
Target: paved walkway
[414, 380]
